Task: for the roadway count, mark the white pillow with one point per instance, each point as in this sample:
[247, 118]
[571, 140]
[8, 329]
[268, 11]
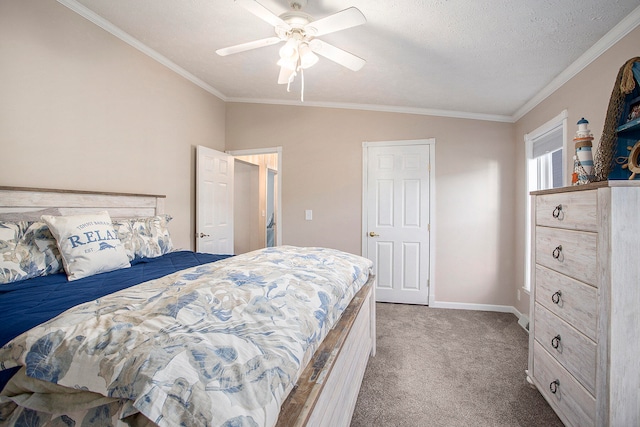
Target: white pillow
[88, 244]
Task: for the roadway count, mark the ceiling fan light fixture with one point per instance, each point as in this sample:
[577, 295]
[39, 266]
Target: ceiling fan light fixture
[290, 50]
[307, 57]
[289, 64]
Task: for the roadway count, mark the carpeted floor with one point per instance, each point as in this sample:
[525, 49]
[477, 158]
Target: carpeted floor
[439, 367]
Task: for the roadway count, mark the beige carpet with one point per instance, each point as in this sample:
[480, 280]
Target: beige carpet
[439, 367]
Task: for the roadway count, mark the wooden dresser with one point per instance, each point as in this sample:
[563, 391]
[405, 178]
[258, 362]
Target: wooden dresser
[584, 342]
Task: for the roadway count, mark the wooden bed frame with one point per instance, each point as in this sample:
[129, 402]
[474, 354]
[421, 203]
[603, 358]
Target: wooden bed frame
[326, 392]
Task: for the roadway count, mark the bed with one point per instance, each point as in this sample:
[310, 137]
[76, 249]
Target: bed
[279, 336]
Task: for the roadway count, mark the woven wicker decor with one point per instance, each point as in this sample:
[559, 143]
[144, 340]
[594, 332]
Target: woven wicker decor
[624, 85]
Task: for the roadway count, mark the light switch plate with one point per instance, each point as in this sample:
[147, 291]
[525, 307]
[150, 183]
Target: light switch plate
[308, 214]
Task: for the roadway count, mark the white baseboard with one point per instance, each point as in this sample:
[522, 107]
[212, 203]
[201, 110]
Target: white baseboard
[522, 319]
[524, 322]
[476, 307]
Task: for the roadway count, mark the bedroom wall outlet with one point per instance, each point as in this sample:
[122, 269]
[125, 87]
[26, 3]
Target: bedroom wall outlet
[308, 214]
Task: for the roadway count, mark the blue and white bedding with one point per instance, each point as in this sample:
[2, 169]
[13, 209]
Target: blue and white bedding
[28, 303]
[220, 344]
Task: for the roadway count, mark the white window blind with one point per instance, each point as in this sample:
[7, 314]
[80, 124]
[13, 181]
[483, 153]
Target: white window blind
[548, 142]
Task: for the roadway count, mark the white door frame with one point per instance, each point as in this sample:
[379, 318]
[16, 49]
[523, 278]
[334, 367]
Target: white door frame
[431, 142]
[271, 150]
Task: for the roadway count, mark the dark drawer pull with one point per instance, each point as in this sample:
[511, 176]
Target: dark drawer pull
[556, 297]
[554, 386]
[557, 211]
[555, 341]
[557, 252]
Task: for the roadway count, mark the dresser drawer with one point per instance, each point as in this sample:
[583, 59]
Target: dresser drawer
[573, 350]
[571, 300]
[575, 210]
[569, 252]
[571, 401]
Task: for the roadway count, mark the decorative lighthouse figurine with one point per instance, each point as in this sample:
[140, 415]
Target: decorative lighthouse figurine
[583, 163]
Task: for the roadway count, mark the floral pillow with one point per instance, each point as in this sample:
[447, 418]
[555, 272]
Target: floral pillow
[88, 244]
[144, 237]
[27, 250]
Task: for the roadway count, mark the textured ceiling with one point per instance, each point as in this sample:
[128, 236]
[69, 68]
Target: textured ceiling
[483, 58]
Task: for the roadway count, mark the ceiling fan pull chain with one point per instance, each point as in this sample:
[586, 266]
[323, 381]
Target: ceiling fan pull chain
[291, 77]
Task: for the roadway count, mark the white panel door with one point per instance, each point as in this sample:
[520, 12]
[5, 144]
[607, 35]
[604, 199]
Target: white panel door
[214, 201]
[397, 197]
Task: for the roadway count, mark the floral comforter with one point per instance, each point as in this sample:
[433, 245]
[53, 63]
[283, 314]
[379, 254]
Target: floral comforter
[221, 344]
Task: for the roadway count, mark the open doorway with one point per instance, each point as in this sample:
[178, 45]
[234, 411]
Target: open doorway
[245, 207]
[257, 199]
[272, 188]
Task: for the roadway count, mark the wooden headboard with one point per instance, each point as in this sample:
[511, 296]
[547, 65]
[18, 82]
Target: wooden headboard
[70, 202]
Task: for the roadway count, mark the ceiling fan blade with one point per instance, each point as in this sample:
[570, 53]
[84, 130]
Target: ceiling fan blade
[342, 20]
[285, 75]
[263, 13]
[337, 55]
[248, 46]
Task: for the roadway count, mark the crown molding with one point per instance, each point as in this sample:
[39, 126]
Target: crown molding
[380, 108]
[624, 27]
[132, 41]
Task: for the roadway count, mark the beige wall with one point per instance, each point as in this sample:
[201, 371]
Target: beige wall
[80, 109]
[585, 95]
[322, 171]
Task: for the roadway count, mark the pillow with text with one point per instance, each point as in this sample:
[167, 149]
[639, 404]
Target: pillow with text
[88, 244]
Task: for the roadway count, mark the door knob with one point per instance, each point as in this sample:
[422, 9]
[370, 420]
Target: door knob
[372, 234]
[201, 235]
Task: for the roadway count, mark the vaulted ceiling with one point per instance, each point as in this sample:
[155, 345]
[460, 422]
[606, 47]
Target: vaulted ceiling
[486, 59]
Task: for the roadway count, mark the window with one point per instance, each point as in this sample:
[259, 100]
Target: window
[545, 168]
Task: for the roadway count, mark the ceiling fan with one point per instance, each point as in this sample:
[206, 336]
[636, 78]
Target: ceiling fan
[299, 33]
